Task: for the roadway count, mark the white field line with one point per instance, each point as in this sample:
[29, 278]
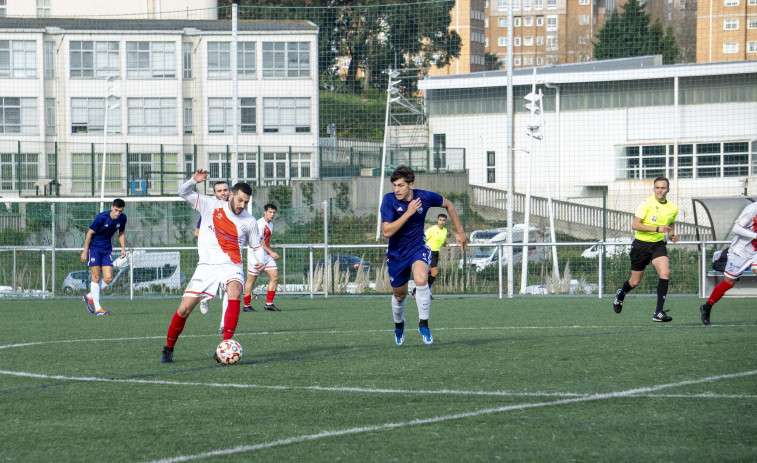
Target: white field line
[273, 333]
[438, 419]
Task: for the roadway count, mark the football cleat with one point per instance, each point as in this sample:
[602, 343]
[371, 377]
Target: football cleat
[215, 357]
[426, 334]
[617, 305]
[220, 329]
[412, 293]
[399, 334]
[204, 306]
[90, 304]
[102, 312]
[661, 317]
[705, 311]
[271, 307]
[167, 356]
[248, 308]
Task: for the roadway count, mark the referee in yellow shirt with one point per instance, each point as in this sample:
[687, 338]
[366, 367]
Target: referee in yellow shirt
[436, 237]
[654, 217]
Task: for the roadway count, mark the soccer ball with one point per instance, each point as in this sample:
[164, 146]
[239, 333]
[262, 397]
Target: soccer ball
[229, 352]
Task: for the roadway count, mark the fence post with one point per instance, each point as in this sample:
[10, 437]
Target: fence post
[260, 166]
[18, 168]
[162, 169]
[228, 166]
[43, 273]
[289, 165]
[57, 182]
[326, 262]
[52, 254]
[128, 180]
[94, 179]
[194, 159]
[602, 248]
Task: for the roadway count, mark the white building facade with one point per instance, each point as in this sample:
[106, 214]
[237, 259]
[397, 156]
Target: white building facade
[608, 128]
[169, 91]
[132, 9]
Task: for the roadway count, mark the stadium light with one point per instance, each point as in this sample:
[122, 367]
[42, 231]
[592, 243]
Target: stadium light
[109, 79]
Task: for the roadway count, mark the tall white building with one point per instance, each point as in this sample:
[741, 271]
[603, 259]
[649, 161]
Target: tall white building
[169, 94]
[132, 9]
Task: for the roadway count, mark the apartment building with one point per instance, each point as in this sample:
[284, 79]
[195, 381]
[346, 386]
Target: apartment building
[545, 31]
[155, 96]
[726, 30]
[142, 9]
[468, 19]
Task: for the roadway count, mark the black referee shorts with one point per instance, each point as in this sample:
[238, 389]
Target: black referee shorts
[643, 252]
[434, 259]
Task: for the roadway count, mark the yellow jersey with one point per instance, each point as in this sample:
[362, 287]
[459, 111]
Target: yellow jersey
[436, 237]
[654, 213]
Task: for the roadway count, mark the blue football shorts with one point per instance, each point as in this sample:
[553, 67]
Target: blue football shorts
[100, 258]
[401, 271]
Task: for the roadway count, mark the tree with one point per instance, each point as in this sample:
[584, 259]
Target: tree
[491, 62]
[630, 34]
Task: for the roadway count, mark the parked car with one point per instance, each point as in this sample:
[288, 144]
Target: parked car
[348, 263]
[486, 256]
[150, 268]
[614, 247]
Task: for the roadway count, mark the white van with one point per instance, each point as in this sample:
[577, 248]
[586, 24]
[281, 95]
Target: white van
[152, 268]
[486, 256]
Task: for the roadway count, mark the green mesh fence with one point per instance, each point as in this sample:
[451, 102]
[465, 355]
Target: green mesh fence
[323, 99]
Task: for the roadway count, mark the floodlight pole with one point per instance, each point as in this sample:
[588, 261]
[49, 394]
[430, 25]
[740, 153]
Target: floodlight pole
[510, 160]
[235, 98]
[527, 208]
[109, 94]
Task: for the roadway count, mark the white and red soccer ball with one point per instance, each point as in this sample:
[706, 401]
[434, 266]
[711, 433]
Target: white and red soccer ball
[229, 352]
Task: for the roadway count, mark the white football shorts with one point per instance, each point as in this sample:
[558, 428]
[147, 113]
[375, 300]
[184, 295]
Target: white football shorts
[737, 265]
[268, 264]
[207, 277]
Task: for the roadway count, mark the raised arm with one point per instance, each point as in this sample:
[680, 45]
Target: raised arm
[186, 190]
[461, 239]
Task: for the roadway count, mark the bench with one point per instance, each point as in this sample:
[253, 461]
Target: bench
[745, 287]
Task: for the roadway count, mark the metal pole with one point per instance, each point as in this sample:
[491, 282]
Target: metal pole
[43, 274]
[310, 270]
[14, 270]
[234, 95]
[383, 153]
[52, 207]
[130, 255]
[326, 263]
[510, 151]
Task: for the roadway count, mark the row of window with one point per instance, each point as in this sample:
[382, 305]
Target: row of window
[528, 41]
[149, 60]
[732, 24]
[152, 116]
[733, 47]
[736, 2]
[528, 21]
[695, 160]
[502, 5]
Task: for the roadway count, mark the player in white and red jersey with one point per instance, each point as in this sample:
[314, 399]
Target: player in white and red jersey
[742, 254]
[226, 228]
[265, 230]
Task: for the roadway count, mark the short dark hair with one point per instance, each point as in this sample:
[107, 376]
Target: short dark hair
[403, 172]
[118, 202]
[270, 206]
[222, 182]
[658, 179]
[441, 215]
[243, 187]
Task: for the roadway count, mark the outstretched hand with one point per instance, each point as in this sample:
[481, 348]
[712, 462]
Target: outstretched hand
[462, 240]
[200, 176]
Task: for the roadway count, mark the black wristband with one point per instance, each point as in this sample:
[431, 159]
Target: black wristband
[657, 229]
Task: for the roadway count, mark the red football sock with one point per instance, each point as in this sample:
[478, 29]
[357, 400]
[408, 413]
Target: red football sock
[231, 319]
[247, 299]
[175, 329]
[269, 298]
[718, 292]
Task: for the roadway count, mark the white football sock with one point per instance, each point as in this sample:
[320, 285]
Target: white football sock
[398, 309]
[225, 304]
[103, 284]
[94, 290]
[423, 299]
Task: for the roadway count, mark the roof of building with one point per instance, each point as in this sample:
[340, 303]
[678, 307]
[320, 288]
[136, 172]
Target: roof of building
[636, 68]
[58, 25]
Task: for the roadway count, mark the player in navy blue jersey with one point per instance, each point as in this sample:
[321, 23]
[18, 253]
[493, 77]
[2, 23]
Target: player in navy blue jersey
[98, 247]
[403, 215]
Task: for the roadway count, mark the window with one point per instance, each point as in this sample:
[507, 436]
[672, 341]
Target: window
[3, 9]
[502, 5]
[490, 167]
[526, 4]
[752, 23]
[751, 47]
[148, 166]
[187, 116]
[486, 42]
[18, 115]
[583, 39]
[220, 115]
[551, 4]
[539, 61]
[274, 168]
[145, 60]
[538, 4]
[440, 151]
[486, 22]
[219, 167]
[528, 41]
[528, 61]
[247, 168]
[502, 22]
[18, 58]
[219, 60]
[730, 24]
[94, 59]
[516, 22]
[286, 115]
[186, 54]
[43, 8]
[246, 59]
[752, 2]
[299, 165]
[515, 4]
[551, 23]
[583, 19]
[539, 21]
[150, 116]
[18, 171]
[88, 116]
[584, 2]
[731, 3]
[516, 61]
[49, 116]
[49, 59]
[286, 59]
[540, 40]
[247, 116]
[502, 41]
[516, 41]
[528, 21]
[551, 43]
[730, 47]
